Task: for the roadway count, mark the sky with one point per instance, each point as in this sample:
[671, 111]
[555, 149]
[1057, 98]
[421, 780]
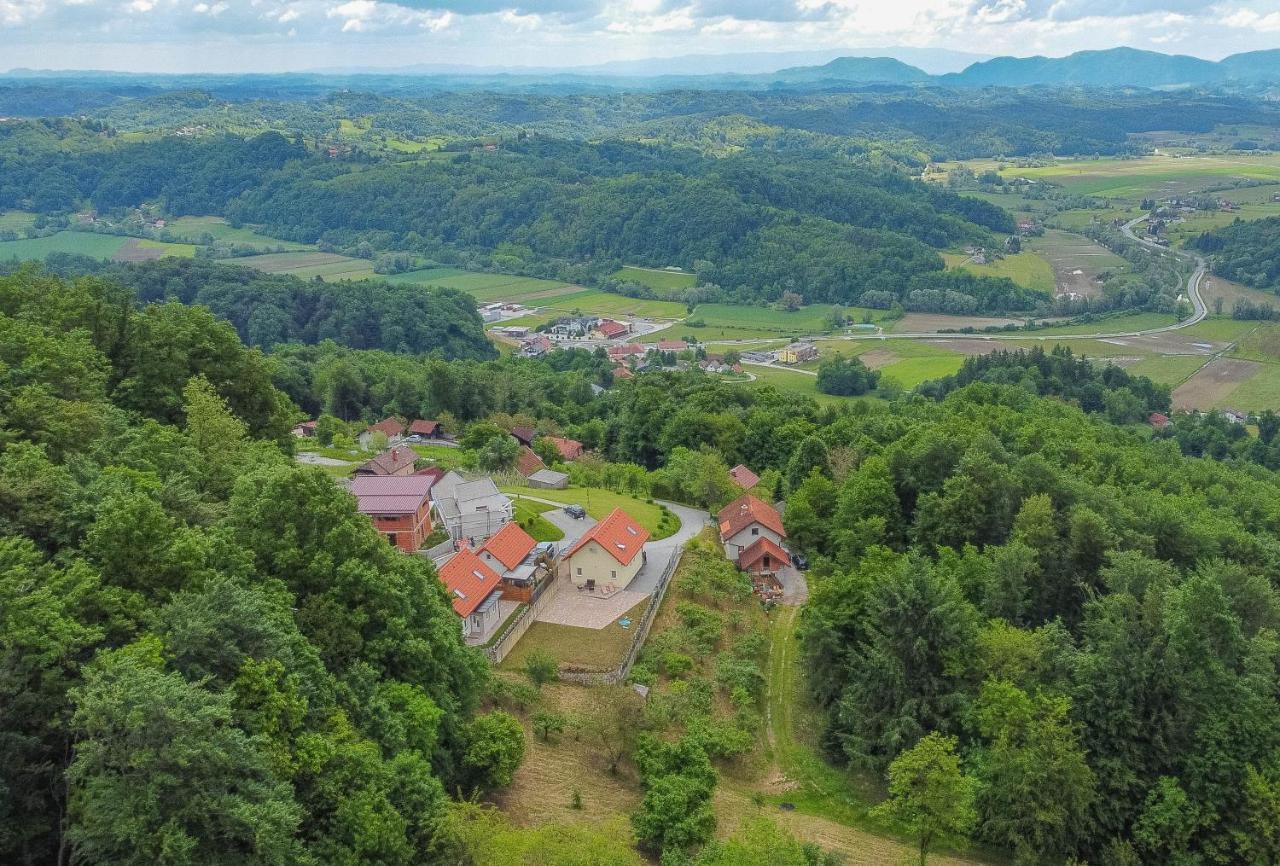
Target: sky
[297, 35]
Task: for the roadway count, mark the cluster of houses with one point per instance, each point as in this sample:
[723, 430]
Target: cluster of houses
[567, 329]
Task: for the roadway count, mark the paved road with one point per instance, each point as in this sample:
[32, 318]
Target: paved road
[659, 553]
[572, 529]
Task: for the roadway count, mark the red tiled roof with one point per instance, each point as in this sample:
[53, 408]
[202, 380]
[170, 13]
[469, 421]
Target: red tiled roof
[389, 462]
[758, 549]
[468, 580]
[744, 477]
[672, 345]
[390, 494]
[435, 473]
[746, 510]
[527, 462]
[610, 328]
[1158, 419]
[510, 545]
[425, 428]
[626, 349]
[390, 426]
[570, 449]
[308, 425]
[618, 533]
[524, 434]
[623, 373]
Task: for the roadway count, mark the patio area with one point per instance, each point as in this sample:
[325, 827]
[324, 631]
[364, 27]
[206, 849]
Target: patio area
[581, 609]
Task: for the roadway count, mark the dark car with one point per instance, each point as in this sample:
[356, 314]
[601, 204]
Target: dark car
[577, 512]
[800, 561]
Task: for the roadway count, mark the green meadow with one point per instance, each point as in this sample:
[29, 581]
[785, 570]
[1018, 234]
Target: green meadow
[658, 279]
[1028, 269]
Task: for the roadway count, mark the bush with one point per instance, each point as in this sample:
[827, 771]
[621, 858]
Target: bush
[676, 664]
[495, 748]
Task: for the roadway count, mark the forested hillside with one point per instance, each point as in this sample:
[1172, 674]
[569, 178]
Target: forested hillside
[1247, 252]
[1090, 615]
[206, 654]
[269, 309]
[754, 224]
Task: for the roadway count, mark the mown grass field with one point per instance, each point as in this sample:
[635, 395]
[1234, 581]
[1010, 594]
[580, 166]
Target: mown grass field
[93, 245]
[597, 649]
[1028, 269]
[484, 287]
[16, 220]
[608, 304]
[1148, 176]
[740, 322]
[600, 502]
[1116, 324]
[654, 278]
[193, 228]
[529, 515]
[1168, 369]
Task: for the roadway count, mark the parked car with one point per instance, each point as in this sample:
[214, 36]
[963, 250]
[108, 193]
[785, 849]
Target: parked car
[577, 512]
[800, 561]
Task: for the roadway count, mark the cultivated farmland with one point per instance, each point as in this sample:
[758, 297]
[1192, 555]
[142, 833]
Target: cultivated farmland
[657, 279]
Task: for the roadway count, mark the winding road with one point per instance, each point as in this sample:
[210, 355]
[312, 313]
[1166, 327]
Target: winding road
[1192, 286]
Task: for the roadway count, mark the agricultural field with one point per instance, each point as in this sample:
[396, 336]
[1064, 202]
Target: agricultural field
[1150, 176]
[196, 229]
[1201, 221]
[98, 246]
[484, 287]
[328, 266]
[608, 304]
[16, 220]
[1029, 269]
[657, 279]
[1215, 287]
[1114, 325]
[740, 322]
[1076, 261]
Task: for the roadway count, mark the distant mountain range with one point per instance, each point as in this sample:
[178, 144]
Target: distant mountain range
[1115, 67]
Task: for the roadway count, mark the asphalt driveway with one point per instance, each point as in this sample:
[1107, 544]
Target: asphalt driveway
[659, 553]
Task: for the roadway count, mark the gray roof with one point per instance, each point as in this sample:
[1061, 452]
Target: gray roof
[549, 476]
[454, 496]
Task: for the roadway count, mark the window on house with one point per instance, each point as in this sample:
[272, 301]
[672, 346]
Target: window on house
[391, 537]
[755, 531]
[615, 574]
[579, 572]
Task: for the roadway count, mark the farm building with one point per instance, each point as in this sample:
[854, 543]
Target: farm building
[608, 555]
[399, 507]
[524, 435]
[305, 430]
[426, 429]
[608, 329]
[549, 479]
[475, 590]
[527, 463]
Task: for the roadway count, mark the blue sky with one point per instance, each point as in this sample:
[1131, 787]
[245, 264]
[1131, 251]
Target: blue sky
[277, 35]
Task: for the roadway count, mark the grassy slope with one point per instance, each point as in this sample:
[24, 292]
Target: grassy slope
[599, 502]
[654, 278]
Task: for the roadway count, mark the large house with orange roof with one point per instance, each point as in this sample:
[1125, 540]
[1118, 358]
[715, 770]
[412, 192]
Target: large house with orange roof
[570, 449]
[608, 555]
[390, 426]
[475, 590]
[514, 555]
[752, 534]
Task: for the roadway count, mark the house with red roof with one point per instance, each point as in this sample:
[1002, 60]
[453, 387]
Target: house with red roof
[393, 461]
[608, 555]
[527, 462]
[475, 591]
[514, 555]
[570, 449]
[744, 477]
[1159, 420]
[305, 430]
[426, 429]
[672, 345]
[399, 506]
[390, 426]
[625, 351]
[752, 534]
[524, 435]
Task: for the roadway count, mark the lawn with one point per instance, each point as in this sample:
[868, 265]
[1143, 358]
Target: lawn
[654, 278]
[444, 456]
[910, 372]
[529, 516]
[589, 649]
[1028, 269]
[600, 502]
[1259, 392]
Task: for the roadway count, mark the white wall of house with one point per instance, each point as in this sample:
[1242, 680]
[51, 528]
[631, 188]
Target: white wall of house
[593, 562]
[747, 536]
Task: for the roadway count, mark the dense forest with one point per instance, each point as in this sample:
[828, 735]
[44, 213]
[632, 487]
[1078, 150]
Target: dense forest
[269, 309]
[206, 654]
[1089, 615]
[1247, 252]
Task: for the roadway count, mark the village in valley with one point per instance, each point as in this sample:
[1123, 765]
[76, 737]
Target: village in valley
[582, 571]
